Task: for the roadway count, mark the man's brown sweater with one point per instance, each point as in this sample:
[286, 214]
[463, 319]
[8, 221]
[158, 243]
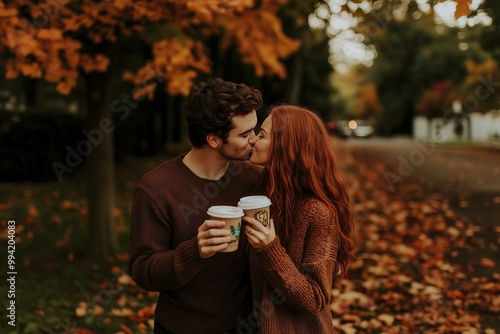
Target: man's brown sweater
[196, 295]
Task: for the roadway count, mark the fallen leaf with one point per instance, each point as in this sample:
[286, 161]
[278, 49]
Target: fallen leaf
[433, 292]
[387, 319]
[347, 328]
[339, 306]
[97, 310]
[124, 279]
[144, 314]
[487, 263]
[81, 309]
[126, 329]
[124, 312]
[349, 317]
[84, 331]
[67, 204]
[404, 250]
[122, 300]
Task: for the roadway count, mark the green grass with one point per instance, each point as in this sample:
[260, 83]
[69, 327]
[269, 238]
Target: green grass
[57, 290]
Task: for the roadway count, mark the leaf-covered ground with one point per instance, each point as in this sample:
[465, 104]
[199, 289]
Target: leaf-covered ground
[408, 275]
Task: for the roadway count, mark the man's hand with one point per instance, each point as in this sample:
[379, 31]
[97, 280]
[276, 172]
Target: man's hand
[212, 238]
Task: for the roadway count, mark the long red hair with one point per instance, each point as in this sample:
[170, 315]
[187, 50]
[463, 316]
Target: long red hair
[304, 164]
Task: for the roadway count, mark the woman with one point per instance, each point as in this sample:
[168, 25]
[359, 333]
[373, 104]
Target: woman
[293, 263]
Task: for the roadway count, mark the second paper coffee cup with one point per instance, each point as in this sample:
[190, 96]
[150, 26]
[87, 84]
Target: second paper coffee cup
[232, 216]
[257, 207]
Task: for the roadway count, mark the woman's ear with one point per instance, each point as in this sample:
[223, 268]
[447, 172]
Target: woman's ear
[213, 140]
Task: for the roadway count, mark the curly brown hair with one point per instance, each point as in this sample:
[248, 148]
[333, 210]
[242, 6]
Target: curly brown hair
[210, 106]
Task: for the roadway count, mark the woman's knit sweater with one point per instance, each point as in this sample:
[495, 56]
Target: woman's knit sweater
[292, 285]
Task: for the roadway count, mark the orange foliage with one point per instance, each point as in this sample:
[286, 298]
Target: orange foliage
[97, 63]
[260, 39]
[175, 63]
[463, 8]
[435, 101]
[476, 84]
[55, 40]
[367, 101]
[208, 11]
[477, 71]
[52, 39]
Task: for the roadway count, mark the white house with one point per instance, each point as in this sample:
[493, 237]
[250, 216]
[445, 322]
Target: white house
[455, 127]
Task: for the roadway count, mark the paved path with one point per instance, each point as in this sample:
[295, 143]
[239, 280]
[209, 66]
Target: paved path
[468, 177]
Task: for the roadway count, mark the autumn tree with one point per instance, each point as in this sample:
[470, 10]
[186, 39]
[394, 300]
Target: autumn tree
[367, 103]
[60, 40]
[480, 89]
[491, 34]
[309, 70]
[402, 33]
[398, 49]
[437, 102]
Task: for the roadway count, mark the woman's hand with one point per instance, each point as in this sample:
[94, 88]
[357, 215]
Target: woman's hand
[257, 234]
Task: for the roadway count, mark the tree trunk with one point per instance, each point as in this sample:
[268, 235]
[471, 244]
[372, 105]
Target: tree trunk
[30, 90]
[102, 239]
[177, 121]
[164, 124]
[295, 78]
[296, 70]
[216, 55]
[151, 130]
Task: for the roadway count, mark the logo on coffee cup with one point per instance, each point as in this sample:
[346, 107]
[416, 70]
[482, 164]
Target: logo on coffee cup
[262, 216]
[236, 230]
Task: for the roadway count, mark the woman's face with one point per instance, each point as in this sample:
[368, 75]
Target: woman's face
[262, 144]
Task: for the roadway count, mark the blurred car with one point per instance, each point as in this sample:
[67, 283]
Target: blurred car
[339, 129]
[361, 128]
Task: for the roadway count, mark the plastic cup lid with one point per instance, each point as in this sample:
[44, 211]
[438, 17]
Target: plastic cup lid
[254, 202]
[223, 211]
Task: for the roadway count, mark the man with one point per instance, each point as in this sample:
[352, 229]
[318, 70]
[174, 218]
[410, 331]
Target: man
[175, 248]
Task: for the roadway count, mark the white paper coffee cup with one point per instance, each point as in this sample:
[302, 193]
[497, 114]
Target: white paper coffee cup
[257, 207]
[232, 216]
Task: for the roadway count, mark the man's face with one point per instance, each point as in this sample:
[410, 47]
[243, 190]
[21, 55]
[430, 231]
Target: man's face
[237, 146]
